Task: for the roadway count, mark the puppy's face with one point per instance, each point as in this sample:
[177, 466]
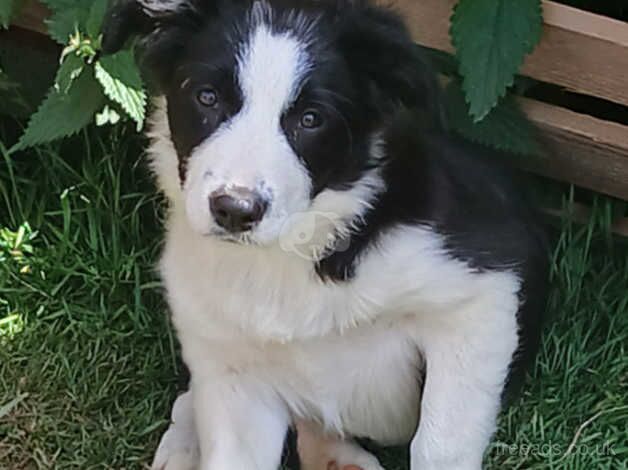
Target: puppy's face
[263, 122]
[276, 111]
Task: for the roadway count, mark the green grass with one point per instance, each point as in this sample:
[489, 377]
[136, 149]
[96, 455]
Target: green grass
[88, 361]
[89, 365]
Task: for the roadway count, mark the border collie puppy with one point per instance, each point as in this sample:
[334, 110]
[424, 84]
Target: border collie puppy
[334, 260]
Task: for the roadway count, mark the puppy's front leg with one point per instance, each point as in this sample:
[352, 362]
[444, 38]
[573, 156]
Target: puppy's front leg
[466, 368]
[241, 423]
[178, 448]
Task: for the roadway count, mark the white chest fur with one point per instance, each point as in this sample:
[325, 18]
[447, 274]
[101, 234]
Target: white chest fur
[344, 353]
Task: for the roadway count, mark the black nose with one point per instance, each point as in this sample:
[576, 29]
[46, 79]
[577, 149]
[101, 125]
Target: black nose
[237, 211]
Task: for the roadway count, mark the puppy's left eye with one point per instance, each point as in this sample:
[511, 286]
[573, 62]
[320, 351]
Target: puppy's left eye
[207, 97]
[311, 119]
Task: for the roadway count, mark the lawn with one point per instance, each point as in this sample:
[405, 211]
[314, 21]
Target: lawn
[88, 362]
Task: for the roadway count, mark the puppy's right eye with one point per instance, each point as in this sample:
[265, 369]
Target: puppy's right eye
[311, 119]
[207, 97]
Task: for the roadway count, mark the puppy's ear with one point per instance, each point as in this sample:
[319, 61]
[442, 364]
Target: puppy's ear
[379, 48]
[163, 28]
[124, 19]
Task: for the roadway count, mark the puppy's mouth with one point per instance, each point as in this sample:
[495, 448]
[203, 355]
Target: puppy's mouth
[240, 238]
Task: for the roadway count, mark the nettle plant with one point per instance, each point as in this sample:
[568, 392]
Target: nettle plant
[87, 88]
[491, 39]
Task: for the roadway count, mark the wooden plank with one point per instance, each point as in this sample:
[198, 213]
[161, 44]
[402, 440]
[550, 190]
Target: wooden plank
[580, 51]
[32, 16]
[580, 149]
[576, 20]
[583, 150]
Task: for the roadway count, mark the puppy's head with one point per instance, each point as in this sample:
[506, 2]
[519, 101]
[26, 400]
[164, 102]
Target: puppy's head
[276, 108]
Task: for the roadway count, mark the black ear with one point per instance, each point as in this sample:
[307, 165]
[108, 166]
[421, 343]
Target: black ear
[123, 20]
[163, 28]
[378, 46]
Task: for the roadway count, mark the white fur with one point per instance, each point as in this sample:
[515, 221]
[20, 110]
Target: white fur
[178, 449]
[251, 150]
[265, 339]
[346, 355]
[331, 215]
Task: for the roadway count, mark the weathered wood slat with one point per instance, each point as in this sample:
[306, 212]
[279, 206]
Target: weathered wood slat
[583, 150]
[32, 16]
[581, 51]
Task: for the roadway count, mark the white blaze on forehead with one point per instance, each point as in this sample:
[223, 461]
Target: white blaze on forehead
[270, 70]
[251, 149]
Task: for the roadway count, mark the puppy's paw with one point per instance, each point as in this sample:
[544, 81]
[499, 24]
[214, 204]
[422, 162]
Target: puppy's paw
[180, 459]
[349, 456]
[178, 448]
[318, 451]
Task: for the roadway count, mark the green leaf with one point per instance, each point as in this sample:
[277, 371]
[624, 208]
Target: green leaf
[7, 8]
[63, 24]
[63, 114]
[70, 69]
[505, 128]
[59, 5]
[95, 18]
[491, 38]
[67, 17]
[122, 83]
